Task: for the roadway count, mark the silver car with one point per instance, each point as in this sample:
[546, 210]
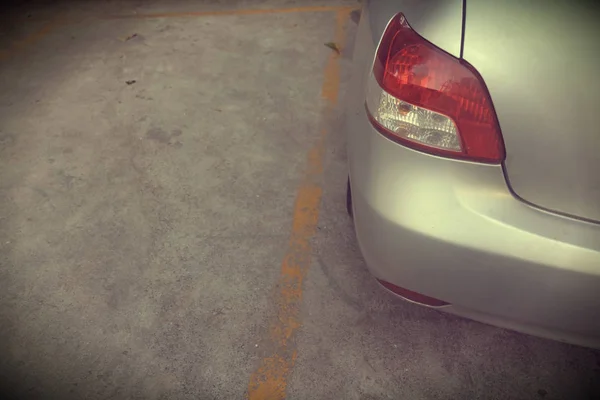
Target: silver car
[474, 159]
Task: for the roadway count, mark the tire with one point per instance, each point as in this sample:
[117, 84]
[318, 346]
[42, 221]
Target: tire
[349, 200]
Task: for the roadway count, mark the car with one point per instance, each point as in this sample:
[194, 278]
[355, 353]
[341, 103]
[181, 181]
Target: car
[473, 131]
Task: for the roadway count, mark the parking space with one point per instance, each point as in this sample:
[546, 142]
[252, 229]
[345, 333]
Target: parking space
[173, 225]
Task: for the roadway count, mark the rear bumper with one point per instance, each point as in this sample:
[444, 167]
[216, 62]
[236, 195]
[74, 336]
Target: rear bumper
[453, 231]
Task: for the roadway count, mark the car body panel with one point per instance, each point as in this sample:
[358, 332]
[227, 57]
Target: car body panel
[437, 231]
[453, 230]
[540, 62]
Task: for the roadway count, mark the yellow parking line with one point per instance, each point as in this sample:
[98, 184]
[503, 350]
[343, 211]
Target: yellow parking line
[32, 38]
[50, 26]
[269, 381]
[233, 12]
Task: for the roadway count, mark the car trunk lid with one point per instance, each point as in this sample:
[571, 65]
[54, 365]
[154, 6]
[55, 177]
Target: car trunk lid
[540, 62]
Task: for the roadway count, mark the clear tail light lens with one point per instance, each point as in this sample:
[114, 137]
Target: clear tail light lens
[424, 98]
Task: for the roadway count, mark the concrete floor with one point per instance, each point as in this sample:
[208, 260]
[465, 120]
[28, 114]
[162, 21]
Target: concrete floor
[143, 226]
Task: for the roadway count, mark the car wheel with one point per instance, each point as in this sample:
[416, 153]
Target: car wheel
[349, 199]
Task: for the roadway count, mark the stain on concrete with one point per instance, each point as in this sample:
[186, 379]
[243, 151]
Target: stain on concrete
[158, 135]
[6, 139]
[66, 179]
[161, 136]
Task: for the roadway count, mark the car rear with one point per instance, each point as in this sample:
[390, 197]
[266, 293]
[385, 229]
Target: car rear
[436, 218]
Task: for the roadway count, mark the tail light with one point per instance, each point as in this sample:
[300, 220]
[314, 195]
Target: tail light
[424, 98]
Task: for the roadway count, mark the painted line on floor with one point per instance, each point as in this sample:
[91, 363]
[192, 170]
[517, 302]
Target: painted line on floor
[183, 14]
[31, 38]
[269, 380]
[53, 24]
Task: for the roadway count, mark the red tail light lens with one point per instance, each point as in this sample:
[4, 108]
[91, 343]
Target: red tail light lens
[427, 99]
